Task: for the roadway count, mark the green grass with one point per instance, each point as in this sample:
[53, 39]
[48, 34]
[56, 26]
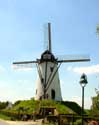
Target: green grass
[30, 106]
[4, 117]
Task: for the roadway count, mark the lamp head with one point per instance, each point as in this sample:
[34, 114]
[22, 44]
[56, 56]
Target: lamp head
[83, 80]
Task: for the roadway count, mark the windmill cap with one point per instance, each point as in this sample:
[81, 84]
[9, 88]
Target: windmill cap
[47, 56]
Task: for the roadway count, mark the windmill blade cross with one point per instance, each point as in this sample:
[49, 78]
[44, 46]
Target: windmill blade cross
[47, 37]
[24, 64]
[73, 58]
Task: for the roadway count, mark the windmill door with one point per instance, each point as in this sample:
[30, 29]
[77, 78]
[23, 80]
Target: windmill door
[53, 94]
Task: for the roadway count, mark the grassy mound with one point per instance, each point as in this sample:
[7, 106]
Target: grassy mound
[29, 107]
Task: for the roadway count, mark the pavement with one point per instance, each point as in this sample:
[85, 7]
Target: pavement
[2, 122]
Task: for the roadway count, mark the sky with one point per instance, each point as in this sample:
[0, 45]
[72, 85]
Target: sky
[73, 28]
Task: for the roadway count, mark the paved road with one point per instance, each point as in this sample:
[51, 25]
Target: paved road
[3, 123]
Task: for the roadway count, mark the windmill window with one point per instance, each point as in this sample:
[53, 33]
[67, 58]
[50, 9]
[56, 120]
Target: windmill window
[51, 68]
[47, 56]
[42, 80]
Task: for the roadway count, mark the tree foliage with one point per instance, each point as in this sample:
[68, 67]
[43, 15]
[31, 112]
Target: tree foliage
[95, 105]
[3, 105]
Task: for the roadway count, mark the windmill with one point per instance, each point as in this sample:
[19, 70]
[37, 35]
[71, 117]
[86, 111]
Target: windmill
[48, 83]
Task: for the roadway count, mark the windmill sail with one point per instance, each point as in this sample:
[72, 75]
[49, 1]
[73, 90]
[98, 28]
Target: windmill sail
[47, 37]
[25, 62]
[73, 58]
[24, 65]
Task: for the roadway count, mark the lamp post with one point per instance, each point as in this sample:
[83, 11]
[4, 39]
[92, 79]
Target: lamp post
[83, 82]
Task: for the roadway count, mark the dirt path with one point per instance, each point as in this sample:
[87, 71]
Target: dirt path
[23, 122]
[3, 122]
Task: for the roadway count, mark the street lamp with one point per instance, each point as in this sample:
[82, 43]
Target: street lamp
[83, 82]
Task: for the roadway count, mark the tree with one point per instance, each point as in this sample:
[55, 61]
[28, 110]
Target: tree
[95, 105]
[3, 105]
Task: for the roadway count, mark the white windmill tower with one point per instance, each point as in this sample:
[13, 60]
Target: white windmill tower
[48, 83]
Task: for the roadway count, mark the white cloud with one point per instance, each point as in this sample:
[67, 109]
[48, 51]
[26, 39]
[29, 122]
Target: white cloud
[2, 69]
[88, 70]
[22, 67]
[62, 82]
[69, 68]
[21, 91]
[87, 101]
[23, 81]
[78, 100]
[5, 91]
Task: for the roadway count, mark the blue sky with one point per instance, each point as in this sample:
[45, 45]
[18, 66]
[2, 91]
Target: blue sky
[22, 38]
